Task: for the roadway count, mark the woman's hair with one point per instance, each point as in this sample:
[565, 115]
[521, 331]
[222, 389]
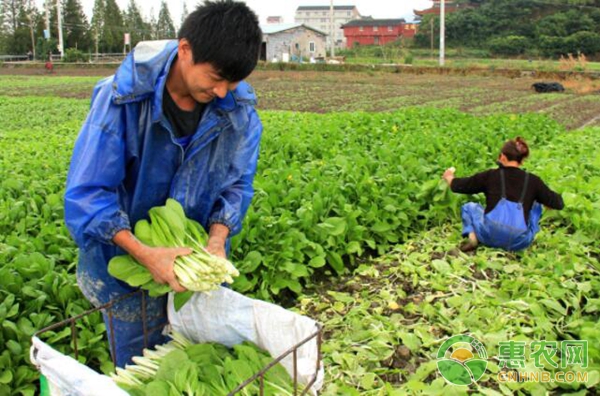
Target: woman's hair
[515, 149]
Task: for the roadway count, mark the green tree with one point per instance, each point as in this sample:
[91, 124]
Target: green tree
[76, 28]
[97, 26]
[113, 28]
[152, 23]
[518, 26]
[135, 24]
[164, 24]
[18, 19]
[3, 35]
[22, 40]
[184, 14]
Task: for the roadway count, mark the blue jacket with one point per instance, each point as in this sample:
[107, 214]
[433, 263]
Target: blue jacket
[126, 160]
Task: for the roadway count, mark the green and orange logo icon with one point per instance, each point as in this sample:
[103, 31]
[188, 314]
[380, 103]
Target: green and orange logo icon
[462, 360]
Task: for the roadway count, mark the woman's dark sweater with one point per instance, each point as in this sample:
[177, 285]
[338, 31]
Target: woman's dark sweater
[488, 182]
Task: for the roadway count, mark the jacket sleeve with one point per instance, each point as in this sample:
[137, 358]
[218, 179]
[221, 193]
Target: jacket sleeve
[232, 205]
[97, 170]
[470, 185]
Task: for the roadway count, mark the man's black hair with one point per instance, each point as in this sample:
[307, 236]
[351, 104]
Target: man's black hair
[226, 34]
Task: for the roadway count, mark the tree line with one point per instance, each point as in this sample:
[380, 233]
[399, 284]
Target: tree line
[22, 27]
[548, 28]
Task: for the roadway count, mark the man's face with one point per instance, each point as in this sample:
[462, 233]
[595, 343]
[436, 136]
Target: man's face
[201, 79]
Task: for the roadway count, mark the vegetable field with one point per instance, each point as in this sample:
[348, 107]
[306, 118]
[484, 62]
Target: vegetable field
[324, 92]
[351, 225]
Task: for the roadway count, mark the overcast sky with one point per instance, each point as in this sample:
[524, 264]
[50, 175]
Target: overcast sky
[284, 8]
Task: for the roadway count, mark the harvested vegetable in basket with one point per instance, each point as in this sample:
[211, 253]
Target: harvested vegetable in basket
[182, 368]
[169, 227]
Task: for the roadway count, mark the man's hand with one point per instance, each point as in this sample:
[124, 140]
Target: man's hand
[158, 260]
[449, 175]
[217, 237]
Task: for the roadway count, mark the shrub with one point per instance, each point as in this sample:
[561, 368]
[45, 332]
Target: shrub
[583, 42]
[510, 45]
[552, 46]
[73, 55]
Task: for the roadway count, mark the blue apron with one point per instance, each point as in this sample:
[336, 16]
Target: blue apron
[504, 227]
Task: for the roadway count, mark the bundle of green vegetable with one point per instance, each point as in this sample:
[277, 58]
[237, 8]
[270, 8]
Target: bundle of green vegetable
[199, 271]
[182, 368]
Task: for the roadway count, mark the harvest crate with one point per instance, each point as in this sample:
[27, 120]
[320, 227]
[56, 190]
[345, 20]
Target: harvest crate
[107, 309]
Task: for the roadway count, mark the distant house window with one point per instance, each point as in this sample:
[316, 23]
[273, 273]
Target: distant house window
[390, 29]
[376, 40]
[348, 13]
[311, 46]
[360, 29]
[375, 28]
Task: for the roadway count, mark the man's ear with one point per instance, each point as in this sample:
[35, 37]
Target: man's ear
[184, 50]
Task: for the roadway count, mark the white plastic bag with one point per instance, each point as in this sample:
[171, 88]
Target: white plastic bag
[67, 377]
[229, 318]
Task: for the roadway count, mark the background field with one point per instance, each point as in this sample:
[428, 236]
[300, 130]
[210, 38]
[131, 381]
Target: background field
[365, 91]
[350, 224]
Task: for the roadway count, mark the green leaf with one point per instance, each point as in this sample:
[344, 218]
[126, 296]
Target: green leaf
[367, 381]
[14, 347]
[335, 261]
[143, 232]
[555, 306]
[139, 279]
[441, 266]
[411, 341]
[593, 379]
[317, 262]
[333, 226]
[354, 248]
[180, 299]
[6, 377]
[252, 261]
[381, 228]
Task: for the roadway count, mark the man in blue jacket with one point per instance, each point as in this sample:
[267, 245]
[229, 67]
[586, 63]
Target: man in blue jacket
[175, 121]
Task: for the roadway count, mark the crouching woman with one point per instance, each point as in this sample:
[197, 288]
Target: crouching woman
[514, 200]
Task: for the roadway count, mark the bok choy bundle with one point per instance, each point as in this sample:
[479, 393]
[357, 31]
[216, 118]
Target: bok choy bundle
[199, 271]
[183, 368]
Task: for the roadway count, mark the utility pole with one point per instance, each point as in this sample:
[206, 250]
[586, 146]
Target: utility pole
[442, 30]
[61, 47]
[96, 40]
[31, 29]
[431, 36]
[331, 23]
[47, 35]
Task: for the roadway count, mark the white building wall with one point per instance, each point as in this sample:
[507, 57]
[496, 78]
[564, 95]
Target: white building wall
[319, 19]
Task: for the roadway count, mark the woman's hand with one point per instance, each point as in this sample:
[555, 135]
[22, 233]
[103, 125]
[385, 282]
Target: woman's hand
[449, 175]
